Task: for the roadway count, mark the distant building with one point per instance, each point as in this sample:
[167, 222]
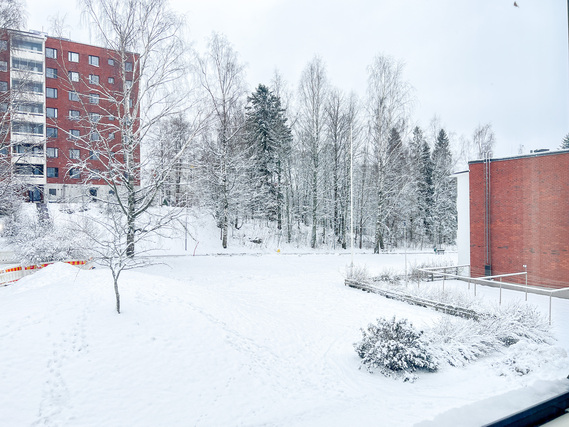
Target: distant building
[518, 210]
[57, 93]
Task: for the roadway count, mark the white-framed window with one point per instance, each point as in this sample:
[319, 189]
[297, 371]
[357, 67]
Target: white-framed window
[3, 65]
[128, 84]
[74, 76]
[52, 152]
[111, 62]
[52, 172]
[94, 117]
[51, 113]
[93, 98]
[111, 80]
[51, 73]
[74, 154]
[3, 86]
[93, 79]
[50, 53]
[3, 45]
[128, 66]
[73, 96]
[74, 114]
[50, 92]
[52, 191]
[73, 56]
[94, 60]
[50, 132]
[95, 136]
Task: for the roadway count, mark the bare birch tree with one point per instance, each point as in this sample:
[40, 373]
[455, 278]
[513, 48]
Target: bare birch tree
[222, 79]
[312, 98]
[389, 102]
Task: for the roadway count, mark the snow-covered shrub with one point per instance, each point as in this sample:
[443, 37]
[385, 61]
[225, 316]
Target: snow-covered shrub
[389, 276]
[525, 357]
[394, 348]
[519, 321]
[36, 240]
[357, 272]
[457, 341]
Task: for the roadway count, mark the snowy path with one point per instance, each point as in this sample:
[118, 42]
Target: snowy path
[217, 341]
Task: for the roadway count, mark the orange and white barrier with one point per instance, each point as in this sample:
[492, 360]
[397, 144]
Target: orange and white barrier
[13, 274]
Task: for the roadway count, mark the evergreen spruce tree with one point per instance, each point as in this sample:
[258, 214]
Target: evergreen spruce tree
[444, 214]
[270, 137]
[565, 143]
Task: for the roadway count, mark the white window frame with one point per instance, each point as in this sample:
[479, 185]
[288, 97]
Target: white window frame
[72, 56]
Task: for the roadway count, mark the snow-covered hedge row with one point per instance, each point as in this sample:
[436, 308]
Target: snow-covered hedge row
[395, 348]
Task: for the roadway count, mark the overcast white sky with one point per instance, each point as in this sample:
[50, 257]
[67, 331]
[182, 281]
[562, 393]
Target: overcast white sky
[470, 62]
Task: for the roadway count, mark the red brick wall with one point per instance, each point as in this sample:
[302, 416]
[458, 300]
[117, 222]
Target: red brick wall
[84, 88]
[529, 218]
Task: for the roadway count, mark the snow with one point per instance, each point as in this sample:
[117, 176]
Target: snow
[256, 339]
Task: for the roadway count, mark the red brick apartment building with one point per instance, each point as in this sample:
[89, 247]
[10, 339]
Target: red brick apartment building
[62, 101]
[519, 216]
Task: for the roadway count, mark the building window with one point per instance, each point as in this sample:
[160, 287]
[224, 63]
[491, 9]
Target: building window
[74, 76]
[51, 73]
[93, 79]
[27, 127]
[73, 96]
[73, 57]
[29, 107]
[130, 103]
[93, 155]
[74, 114]
[111, 62]
[52, 152]
[52, 192]
[94, 117]
[94, 60]
[111, 80]
[74, 173]
[51, 132]
[111, 135]
[27, 45]
[27, 65]
[28, 169]
[3, 45]
[95, 136]
[51, 112]
[128, 66]
[3, 86]
[27, 86]
[50, 53]
[93, 98]
[50, 92]
[3, 65]
[52, 172]
[74, 154]
[74, 134]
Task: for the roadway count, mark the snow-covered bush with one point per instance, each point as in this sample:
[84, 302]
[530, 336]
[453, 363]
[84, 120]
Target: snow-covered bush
[36, 240]
[525, 357]
[457, 341]
[394, 348]
[357, 272]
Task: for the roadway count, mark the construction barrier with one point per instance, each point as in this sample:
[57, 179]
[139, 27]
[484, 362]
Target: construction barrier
[13, 274]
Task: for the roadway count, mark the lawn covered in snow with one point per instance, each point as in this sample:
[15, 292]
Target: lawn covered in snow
[236, 341]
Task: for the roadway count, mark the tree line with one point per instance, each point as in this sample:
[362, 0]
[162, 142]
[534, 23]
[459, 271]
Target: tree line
[293, 159]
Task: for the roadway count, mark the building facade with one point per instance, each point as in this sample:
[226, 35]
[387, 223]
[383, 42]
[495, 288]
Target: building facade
[64, 108]
[519, 218]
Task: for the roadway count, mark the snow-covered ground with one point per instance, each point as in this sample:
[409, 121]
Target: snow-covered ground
[237, 340]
